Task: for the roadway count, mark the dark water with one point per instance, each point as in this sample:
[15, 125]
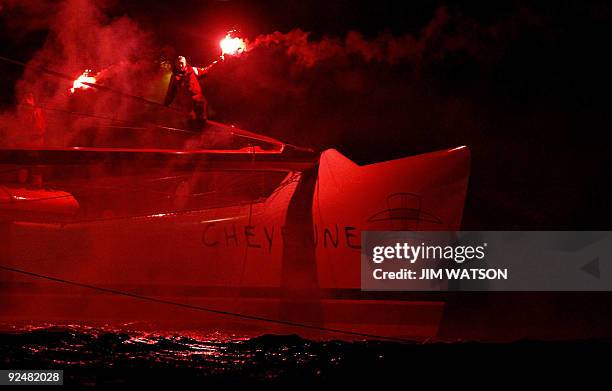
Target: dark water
[103, 356]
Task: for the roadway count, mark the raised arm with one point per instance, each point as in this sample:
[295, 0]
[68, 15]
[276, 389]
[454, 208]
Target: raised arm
[203, 72]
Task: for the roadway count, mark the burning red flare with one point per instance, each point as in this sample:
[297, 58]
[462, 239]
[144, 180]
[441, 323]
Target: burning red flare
[86, 77]
[232, 45]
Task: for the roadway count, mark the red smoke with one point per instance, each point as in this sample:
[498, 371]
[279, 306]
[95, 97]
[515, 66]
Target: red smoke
[82, 37]
[288, 84]
[442, 36]
[329, 90]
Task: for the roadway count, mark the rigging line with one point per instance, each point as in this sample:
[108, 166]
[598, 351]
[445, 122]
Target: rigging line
[20, 202]
[11, 170]
[43, 69]
[205, 309]
[77, 113]
[93, 85]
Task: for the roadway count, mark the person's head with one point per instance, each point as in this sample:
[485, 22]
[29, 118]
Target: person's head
[181, 63]
[29, 99]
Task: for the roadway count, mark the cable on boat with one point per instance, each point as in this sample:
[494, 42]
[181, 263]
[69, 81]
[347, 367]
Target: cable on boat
[93, 85]
[206, 309]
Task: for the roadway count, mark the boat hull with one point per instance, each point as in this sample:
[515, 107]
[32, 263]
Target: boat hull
[287, 261]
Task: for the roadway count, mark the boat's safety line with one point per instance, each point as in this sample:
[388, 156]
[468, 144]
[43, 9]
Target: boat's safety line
[94, 85]
[206, 309]
[101, 88]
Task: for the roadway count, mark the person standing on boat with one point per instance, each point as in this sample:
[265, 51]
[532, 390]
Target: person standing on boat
[185, 88]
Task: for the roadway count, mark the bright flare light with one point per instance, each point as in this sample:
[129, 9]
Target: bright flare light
[232, 45]
[84, 78]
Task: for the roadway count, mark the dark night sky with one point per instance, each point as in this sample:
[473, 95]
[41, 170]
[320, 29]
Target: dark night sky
[561, 61]
[563, 58]
[529, 95]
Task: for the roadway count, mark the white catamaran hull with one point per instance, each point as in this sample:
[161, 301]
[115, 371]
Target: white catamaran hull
[259, 240]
